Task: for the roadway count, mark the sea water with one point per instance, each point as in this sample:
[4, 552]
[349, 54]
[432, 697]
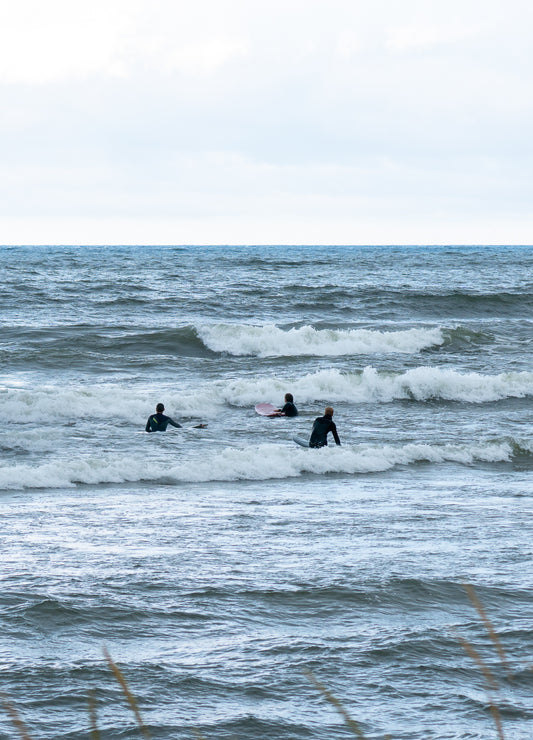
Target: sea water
[227, 571]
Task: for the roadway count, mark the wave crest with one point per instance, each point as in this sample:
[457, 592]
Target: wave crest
[67, 404]
[370, 386]
[260, 462]
[271, 341]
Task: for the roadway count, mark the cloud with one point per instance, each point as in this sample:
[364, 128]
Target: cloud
[57, 40]
[409, 38]
[237, 118]
[61, 40]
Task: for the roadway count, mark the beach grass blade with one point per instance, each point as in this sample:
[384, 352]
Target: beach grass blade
[95, 733]
[15, 718]
[127, 693]
[478, 606]
[350, 722]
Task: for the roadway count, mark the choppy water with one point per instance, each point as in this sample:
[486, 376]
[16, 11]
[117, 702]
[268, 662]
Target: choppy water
[218, 565]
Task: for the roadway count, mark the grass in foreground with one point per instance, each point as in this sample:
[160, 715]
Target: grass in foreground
[492, 688]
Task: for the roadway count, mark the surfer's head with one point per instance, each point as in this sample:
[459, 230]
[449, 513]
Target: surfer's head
[289, 398]
[328, 411]
[160, 408]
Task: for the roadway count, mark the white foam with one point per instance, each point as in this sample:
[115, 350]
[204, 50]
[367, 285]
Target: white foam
[260, 462]
[114, 404]
[110, 404]
[421, 384]
[271, 341]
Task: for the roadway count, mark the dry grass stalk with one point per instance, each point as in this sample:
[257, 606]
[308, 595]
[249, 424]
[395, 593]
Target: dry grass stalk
[478, 606]
[352, 724]
[489, 677]
[127, 693]
[95, 733]
[491, 683]
[485, 670]
[18, 723]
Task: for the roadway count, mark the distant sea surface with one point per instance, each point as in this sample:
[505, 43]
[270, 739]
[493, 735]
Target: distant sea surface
[219, 565]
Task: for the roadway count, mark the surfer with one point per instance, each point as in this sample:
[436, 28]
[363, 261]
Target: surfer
[289, 409]
[321, 426]
[158, 422]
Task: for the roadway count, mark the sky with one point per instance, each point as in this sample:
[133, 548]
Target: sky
[245, 122]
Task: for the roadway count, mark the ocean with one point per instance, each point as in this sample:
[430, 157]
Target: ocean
[229, 573]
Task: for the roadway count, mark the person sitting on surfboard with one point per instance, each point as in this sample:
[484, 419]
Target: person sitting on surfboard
[289, 409]
[158, 422]
[321, 426]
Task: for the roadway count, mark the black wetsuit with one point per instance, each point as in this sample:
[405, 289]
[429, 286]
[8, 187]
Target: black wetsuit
[159, 422]
[289, 409]
[321, 426]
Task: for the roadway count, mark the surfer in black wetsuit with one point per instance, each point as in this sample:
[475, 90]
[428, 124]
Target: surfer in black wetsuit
[158, 422]
[321, 426]
[289, 409]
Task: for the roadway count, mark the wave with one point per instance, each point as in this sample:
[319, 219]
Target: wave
[457, 302]
[401, 303]
[370, 386]
[64, 404]
[461, 338]
[271, 341]
[58, 345]
[260, 462]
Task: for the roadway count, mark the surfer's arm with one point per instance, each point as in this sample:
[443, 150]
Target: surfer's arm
[148, 427]
[174, 423]
[334, 432]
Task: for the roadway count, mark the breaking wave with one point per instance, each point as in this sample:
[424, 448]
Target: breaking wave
[74, 345]
[364, 386]
[370, 385]
[271, 341]
[260, 462]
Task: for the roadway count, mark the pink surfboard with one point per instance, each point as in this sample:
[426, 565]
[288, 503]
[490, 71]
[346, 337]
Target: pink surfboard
[266, 409]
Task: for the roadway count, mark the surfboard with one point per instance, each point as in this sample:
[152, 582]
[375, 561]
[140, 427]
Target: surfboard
[266, 409]
[301, 441]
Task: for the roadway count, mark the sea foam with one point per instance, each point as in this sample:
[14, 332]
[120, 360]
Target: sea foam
[370, 385]
[259, 462]
[99, 402]
[271, 341]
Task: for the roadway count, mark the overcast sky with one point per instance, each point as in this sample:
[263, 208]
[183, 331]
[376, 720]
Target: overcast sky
[239, 121]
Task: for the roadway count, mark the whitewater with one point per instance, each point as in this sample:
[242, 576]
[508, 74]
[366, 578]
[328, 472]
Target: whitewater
[220, 565]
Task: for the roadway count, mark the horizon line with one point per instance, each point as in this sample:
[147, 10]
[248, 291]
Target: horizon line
[265, 244]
